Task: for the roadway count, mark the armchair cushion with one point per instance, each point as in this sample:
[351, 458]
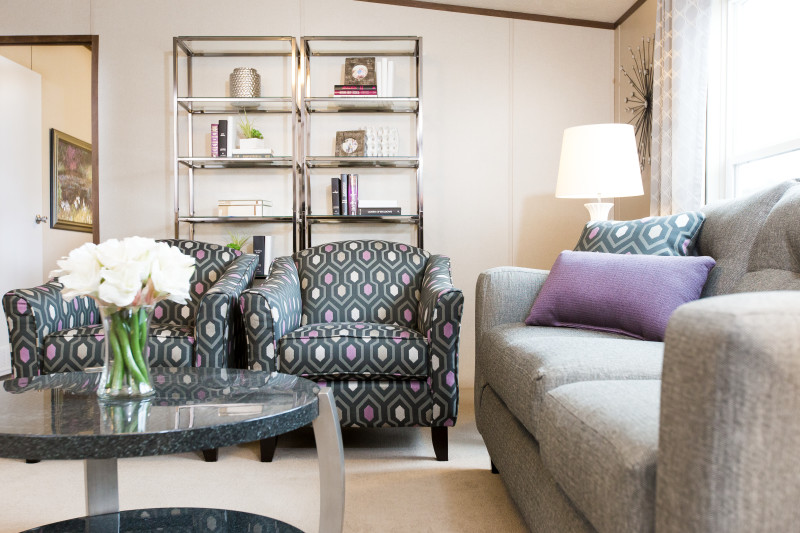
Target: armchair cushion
[71, 350]
[349, 349]
[361, 281]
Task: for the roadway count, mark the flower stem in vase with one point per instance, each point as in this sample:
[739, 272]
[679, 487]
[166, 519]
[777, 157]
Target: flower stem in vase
[126, 372]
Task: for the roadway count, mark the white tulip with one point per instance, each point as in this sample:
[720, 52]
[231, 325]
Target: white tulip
[171, 273]
[121, 284]
[79, 272]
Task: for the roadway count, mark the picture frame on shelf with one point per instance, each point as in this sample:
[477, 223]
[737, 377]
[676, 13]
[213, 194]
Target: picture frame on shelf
[350, 143]
[71, 183]
[359, 71]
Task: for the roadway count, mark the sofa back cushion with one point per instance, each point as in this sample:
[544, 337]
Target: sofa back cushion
[775, 258]
[730, 232]
[361, 281]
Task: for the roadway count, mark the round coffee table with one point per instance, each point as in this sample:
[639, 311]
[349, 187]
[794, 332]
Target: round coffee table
[59, 416]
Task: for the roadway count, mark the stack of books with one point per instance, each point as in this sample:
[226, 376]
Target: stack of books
[222, 136]
[345, 202]
[355, 90]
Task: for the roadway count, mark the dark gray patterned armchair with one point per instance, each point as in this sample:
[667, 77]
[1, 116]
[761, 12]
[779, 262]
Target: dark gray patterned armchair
[50, 335]
[377, 321]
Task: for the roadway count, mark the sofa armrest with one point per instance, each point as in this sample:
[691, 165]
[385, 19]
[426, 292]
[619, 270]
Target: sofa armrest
[729, 438]
[271, 310]
[439, 319]
[218, 336]
[32, 314]
[503, 295]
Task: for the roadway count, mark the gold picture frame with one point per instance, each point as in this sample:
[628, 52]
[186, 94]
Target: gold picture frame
[71, 202]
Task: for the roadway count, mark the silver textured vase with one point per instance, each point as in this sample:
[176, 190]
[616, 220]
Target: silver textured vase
[245, 83]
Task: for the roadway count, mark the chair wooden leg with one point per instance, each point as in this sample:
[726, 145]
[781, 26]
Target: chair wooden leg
[211, 455]
[494, 469]
[268, 449]
[439, 435]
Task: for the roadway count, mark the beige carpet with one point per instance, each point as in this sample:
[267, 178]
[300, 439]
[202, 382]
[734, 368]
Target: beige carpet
[393, 483]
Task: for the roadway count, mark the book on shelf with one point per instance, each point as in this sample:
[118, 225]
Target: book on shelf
[336, 203]
[355, 87]
[215, 140]
[352, 194]
[262, 247]
[222, 135]
[378, 211]
[343, 195]
[231, 135]
[355, 93]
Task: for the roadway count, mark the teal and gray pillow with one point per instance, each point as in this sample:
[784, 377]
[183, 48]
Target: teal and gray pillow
[666, 235]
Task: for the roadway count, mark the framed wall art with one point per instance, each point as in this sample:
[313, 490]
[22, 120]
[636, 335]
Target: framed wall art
[350, 143]
[70, 183]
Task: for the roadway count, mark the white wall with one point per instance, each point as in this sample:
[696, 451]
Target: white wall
[497, 96]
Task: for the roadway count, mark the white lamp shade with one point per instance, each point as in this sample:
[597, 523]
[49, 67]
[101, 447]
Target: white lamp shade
[599, 161]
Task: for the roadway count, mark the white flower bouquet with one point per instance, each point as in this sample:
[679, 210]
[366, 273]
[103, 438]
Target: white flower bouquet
[126, 278]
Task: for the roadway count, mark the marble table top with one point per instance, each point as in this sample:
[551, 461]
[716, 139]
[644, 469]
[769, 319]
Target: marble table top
[182, 519]
[59, 416]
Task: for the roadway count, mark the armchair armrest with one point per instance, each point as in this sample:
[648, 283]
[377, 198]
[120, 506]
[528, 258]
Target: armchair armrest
[34, 313]
[729, 437]
[271, 310]
[218, 325]
[440, 308]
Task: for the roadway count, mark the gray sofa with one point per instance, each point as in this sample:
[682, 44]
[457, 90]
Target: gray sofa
[592, 431]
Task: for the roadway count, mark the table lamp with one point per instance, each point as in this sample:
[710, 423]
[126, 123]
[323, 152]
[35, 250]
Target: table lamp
[599, 161]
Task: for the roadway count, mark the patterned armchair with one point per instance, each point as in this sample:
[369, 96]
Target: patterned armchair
[50, 335]
[377, 321]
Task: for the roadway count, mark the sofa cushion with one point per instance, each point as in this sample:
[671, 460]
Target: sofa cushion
[729, 232]
[667, 235]
[71, 350]
[522, 363]
[600, 441]
[775, 259]
[360, 349]
[629, 294]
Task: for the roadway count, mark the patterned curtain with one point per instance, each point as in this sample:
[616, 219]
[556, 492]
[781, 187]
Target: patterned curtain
[679, 105]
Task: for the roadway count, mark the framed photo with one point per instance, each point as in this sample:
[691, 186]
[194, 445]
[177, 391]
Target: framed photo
[70, 183]
[350, 143]
[359, 71]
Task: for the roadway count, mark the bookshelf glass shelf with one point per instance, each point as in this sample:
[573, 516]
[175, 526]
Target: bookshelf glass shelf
[360, 104]
[362, 46]
[214, 105]
[225, 220]
[237, 162]
[236, 46]
[339, 219]
[362, 162]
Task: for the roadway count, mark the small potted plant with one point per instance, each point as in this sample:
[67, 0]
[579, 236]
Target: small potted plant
[237, 240]
[251, 138]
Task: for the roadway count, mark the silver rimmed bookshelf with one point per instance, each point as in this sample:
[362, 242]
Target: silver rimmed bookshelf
[201, 69]
[323, 114]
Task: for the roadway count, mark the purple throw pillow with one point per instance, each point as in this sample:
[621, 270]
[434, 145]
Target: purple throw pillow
[629, 294]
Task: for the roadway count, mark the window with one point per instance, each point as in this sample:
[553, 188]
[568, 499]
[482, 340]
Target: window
[754, 98]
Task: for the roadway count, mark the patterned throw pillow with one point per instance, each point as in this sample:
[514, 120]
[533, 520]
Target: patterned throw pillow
[668, 235]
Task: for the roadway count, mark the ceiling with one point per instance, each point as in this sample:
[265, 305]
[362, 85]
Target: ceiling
[608, 11]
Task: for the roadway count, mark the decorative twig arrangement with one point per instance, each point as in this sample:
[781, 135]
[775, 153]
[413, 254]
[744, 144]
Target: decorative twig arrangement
[641, 99]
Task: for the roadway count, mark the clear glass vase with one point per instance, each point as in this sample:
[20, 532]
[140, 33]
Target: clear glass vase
[126, 371]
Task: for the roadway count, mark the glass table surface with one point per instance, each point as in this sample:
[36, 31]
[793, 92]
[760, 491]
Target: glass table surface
[59, 416]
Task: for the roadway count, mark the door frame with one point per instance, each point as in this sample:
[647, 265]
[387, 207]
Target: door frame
[93, 43]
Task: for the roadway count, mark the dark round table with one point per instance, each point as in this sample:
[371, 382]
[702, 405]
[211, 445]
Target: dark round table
[59, 416]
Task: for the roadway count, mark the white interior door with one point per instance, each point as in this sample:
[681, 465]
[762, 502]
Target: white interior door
[20, 185]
